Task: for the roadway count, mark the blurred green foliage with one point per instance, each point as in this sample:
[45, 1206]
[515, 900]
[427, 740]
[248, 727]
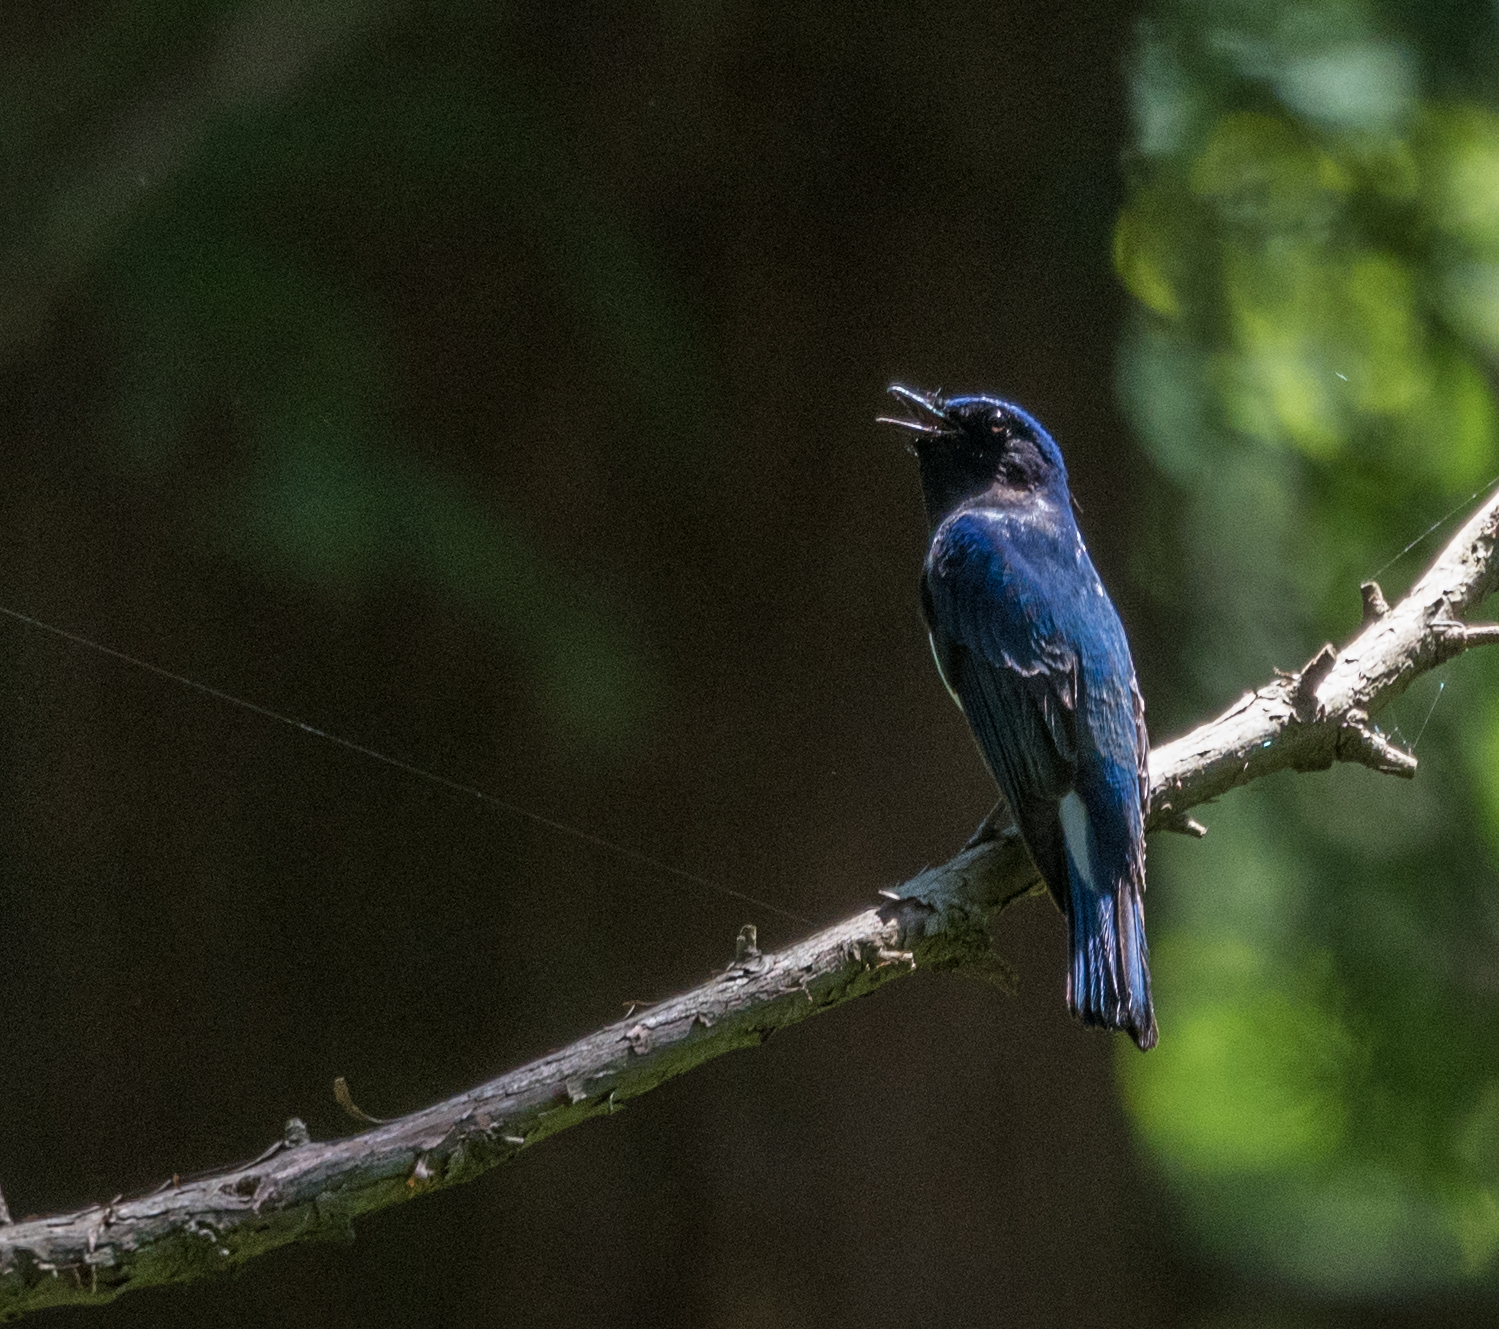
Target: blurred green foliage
[1312, 237]
[214, 224]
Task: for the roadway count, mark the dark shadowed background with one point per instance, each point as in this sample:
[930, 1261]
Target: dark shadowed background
[494, 386]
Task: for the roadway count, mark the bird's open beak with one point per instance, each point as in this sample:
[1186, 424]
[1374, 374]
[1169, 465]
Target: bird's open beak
[931, 421]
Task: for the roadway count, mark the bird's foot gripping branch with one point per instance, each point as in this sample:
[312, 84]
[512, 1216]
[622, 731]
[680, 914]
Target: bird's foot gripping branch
[300, 1189]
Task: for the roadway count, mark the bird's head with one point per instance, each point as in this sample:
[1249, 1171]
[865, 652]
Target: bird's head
[968, 446]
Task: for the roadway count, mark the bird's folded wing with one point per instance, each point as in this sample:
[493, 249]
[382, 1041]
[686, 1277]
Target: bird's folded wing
[999, 644]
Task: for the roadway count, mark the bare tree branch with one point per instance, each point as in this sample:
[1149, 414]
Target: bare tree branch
[299, 1189]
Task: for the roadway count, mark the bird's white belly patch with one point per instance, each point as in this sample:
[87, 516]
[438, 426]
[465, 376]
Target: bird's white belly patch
[942, 673]
[1075, 829]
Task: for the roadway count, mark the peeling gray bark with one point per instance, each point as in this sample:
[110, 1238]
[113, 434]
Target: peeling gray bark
[300, 1190]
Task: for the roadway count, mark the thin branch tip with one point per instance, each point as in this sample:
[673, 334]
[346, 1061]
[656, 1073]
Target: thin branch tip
[1359, 742]
[1179, 823]
[345, 1100]
[1454, 637]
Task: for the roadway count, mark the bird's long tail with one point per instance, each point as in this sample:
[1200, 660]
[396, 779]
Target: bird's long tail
[1108, 983]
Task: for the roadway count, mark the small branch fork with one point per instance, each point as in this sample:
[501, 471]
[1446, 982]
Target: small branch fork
[300, 1190]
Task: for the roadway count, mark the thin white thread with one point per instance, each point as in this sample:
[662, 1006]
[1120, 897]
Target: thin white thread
[1441, 688]
[1440, 521]
[432, 777]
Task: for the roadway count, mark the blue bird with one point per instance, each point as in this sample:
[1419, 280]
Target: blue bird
[1032, 650]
